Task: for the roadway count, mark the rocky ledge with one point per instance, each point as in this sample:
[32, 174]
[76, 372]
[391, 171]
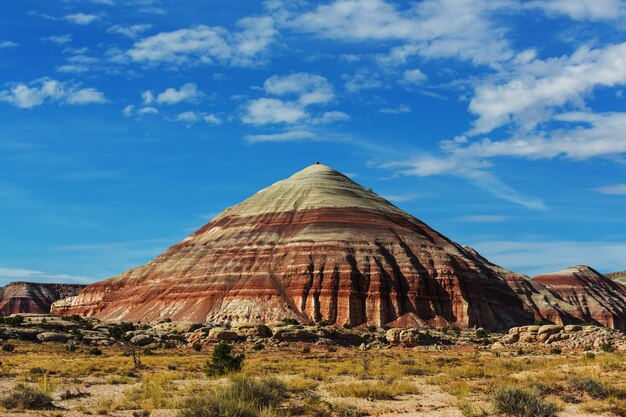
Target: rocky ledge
[92, 332]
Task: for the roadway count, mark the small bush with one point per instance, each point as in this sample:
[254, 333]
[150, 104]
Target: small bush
[555, 351]
[589, 356]
[521, 403]
[346, 410]
[481, 333]
[95, 351]
[258, 346]
[291, 321]
[223, 361]
[71, 347]
[306, 350]
[323, 323]
[243, 397]
[371, 328]
[607, 347]
[8, 347]
[332, 349]
[593, 387]
[27, 398]
[14, 321]
[197, 347]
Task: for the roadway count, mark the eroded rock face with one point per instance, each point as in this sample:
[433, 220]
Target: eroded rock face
[30, 297]
[314, 247]
[585, 295]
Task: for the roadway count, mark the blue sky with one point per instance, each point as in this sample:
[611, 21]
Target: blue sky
[125, 125]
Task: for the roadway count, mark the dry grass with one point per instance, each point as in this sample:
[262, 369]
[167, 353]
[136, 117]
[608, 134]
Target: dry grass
[374, 390]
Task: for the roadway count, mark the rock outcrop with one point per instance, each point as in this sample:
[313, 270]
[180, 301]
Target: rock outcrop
[316, 247]
[30, 297]
[582, 294]
[618, 276]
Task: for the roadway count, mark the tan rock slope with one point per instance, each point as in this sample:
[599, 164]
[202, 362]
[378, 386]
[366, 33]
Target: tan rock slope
[315, 247]
[618, 276]
[581, 293]
[30, 297]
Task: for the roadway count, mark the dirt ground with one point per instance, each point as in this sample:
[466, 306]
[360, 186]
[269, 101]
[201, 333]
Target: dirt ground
[318, 382]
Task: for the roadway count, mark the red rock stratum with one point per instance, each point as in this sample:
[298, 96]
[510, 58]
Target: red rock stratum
[316, 247]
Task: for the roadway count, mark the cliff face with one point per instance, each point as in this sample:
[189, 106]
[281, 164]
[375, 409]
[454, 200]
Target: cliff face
[582, 294]
[30, 297]
[315, 247]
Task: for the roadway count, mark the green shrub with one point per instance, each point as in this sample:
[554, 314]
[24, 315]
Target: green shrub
[481, 333]
[556, 351]
[14, 321]
[371, 328]
[197, 347]
[258, 346]
[306, 350]
[8, 347]
[593, 387]
[243, 397]
[291, 321]
[223, 361]
[23, 397]
[521, 403]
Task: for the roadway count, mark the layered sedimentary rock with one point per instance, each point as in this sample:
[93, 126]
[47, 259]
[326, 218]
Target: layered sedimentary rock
[30, 297]
[314, 247]
[618, 276]
[581, 293]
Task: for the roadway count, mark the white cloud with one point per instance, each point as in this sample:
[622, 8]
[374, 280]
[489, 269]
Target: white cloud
[580, 9]
[147, 97]
[148, 110]
[402, 108]
[271, 110]
[128, 110]
[330, 117]
[362, 80]
[81, 18]
[616, 189]
[309, 88]
[187, 117]
[131, 31]
[212, 119]
[30, 275]
[7, 44]
[60, 39]
[414, 76]
[187, 93]
[542, 85]
[86, 96]
[291, 135]
[203, 44]
[431, 28]
[37, 92]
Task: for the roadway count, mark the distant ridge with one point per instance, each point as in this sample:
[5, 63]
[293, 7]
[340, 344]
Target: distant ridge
[30, 297]
[618, 276]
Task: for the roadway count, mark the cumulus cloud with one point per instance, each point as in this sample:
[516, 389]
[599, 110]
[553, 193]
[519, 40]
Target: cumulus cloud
[297, 92]
[203, 44]
[212, 119]
[431, 28]
[540, 86]
[414, 76]
[271, 110]
[147, 97]
[43, 90]
[130, 31]
[187, 93]
[81, 18]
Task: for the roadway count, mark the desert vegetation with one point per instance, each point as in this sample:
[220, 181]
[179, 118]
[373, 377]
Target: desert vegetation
[238, 380]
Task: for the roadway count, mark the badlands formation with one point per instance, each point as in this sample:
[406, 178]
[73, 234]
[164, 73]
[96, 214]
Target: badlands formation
[28, 297]
[319, 248]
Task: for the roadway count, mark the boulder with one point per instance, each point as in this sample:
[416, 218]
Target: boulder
[293, 334]
[142, 339]
[570, 328]
[53, 337]
[549, 329]
[219, 333]
[250, 329]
